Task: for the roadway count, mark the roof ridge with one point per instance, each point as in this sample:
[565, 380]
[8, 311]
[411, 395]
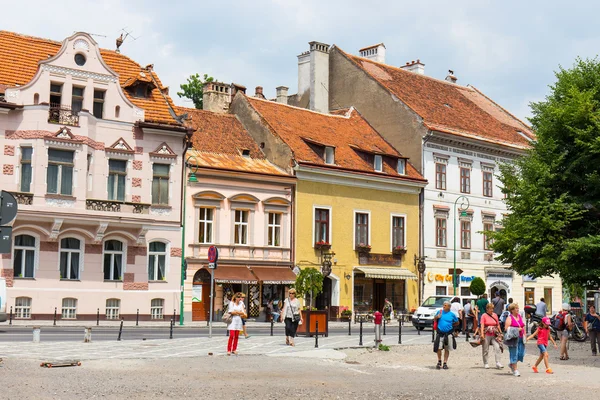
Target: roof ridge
[201, 111]
[301, 108]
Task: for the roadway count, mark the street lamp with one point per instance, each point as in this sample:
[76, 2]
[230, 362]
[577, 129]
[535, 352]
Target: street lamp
[462, 207]
[326, 263]
[192, 179]
[420, 264]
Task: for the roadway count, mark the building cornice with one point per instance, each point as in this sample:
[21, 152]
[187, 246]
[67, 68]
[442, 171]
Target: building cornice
[474, 145]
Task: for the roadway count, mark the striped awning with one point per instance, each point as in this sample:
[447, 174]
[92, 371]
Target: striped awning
[386, 273]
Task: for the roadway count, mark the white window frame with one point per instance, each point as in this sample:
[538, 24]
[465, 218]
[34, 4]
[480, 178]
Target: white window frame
[273, 227]
[157, 311]
[69, 251]
[206, 222]
[112, 310]
[22, 164]
[329, 155]
[69, 311]
[368, 212]
[392, 216]
[112, 259]
[36, 251]
[378, 163]
[116, 181]
[239, 225]
[23, 311]
[157, 253]
[401, 168]
[59, 173]
[329, 208]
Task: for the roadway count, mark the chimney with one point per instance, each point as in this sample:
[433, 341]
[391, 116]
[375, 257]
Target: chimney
[282, 94]
[375, 53]
[303, 73]
[415, 66]
[451, 78]
[319, 77]
[258, 92]
[216, 97]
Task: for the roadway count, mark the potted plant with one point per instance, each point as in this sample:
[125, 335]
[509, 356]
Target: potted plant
[310, 282]
[322, 245]
[399, 250]
[346, 313]
[363, 248]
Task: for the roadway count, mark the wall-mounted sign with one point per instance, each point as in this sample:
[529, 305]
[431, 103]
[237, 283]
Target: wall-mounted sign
[388, 260]
[431, 277]
[197, 294]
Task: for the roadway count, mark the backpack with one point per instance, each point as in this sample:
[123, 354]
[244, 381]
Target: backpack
[503, 317]
[559, 321]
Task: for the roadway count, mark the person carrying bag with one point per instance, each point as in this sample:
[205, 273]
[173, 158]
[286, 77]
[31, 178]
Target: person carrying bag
[291, 316]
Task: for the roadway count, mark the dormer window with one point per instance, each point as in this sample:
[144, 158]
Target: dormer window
[246, 153]
[378, 163]
[141, 90]
[329, 155]
[401, 166]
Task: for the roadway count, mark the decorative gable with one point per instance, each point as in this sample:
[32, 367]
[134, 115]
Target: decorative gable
[121, 147]
[64, 136]
[163, 151]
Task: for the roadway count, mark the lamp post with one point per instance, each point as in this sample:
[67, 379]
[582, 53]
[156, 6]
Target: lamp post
[420, 264]
[192, 179]
[463, 207]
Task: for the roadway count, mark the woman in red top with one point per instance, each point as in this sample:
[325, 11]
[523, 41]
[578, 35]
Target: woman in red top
[543, 334]
[490, 326]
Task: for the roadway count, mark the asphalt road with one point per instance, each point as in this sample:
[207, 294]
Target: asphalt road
[68, 333]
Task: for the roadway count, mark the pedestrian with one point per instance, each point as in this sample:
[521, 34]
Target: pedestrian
[543, 334]
[236, 309]
[445, 321]
[517, 352]
[468, 318]
[541, 308]
[510, 301]
[244, 318]
[481, 306]
[292, 317]
[490, 327]
[591, 324]
[498, 303]
[457, 309]
[388, 310]
[564, 324]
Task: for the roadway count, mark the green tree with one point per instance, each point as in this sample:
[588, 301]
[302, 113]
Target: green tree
[553, 193]
[477, 286]
[194, 89]
[309, 281]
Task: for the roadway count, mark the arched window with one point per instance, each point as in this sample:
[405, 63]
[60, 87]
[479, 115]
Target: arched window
[70, 258]
[157, 259]
[69, 308]
[112, 308]
[24, 260]
[36, 98]
[156, 308]
[113, 260]
[117, 111]
[23, 307]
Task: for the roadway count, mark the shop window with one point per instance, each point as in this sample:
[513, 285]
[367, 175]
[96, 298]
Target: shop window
[23, 307]
[205, 225]
[69, 308]
[112, 308]
[156, 308]
[394, 291]
[441, 290]
[530, 296]
[465, 291]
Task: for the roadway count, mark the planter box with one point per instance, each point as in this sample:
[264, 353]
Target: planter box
[326, 246]
[309, 324]
[399, 252]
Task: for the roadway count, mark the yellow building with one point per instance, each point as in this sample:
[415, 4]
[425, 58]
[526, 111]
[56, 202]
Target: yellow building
[356, 203]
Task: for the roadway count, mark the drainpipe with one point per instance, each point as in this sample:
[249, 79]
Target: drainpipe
[421, 288]
[184, 182]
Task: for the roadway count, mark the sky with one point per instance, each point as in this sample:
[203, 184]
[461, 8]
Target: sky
[509, 50]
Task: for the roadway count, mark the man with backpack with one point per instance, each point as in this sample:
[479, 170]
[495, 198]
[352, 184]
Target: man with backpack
[563, 323]
[498, 302]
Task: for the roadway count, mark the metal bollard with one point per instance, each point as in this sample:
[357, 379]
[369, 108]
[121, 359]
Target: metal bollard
[137, 317]
[527, 326]
[418, 331]
[54, 316]
[98, 317]
[384, 326]
[467, 335]
[174, 315]
[36, 334]
[317, 334]
[10, 320]
[360, 342]
[120, 330]
[171, 329]
[272, 326]
[400, 332]
[87, 337]
[350, 327]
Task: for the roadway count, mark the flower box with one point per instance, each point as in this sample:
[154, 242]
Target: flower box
[363, 248]
[399, 250]
[322, 245]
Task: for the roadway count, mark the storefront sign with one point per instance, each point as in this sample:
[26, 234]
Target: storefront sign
[197, 294]
[431, 277]
[379, 259]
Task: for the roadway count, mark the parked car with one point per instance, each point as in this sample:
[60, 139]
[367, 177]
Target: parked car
[423, 317]
[2, 300]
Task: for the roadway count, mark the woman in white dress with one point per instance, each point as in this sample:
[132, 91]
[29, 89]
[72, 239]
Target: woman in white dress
[236, 309]
[292, 316]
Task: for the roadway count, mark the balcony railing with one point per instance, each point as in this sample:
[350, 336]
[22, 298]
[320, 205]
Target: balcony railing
[25, 199]
[117, 206]
[63, 115]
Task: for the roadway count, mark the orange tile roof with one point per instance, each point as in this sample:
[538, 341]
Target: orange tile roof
[298, 127]
[20, 54]
[448, 107]
[218, 141]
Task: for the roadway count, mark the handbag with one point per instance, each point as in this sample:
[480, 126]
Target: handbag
[295, 315]
[227, 318]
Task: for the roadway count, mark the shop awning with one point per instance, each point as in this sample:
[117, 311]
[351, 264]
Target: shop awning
[233, 274]
[386, 273]
[274, 275]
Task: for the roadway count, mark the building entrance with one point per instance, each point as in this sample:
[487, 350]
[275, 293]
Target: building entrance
[201, 295]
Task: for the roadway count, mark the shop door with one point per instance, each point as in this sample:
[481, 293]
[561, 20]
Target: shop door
[323, 300]
[201, 292]
[378, 295]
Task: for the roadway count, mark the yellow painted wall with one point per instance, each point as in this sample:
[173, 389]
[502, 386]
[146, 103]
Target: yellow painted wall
[344, 200]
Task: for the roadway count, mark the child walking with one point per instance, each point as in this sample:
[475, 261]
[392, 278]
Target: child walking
[543, 334]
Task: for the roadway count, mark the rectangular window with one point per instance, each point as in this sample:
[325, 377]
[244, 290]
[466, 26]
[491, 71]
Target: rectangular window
[112, 308]
[487, 241]
[378, 163]
[465, 291]
[329, 155]
[23, 307]
[117, 173]
[69, 308]
[401, 166]
[60, 172]
[440, 176]
[440, 232]
[113, 260]
[441, 290]
[205, 226]
[465, 180]
[397, 232]
[160, 184]
[157, 259]
[156, 308]
[70, 258]
[465, 234]
[26, 153]
[55, 94]
[77, 99]
[530, 296]
[361, 229]
[241, 227]
[24, 253]
[99, 103]
[487, 183]
[321, 225]
[274, 229]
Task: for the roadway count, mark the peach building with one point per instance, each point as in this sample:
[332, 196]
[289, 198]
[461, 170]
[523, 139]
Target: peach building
[92, 150]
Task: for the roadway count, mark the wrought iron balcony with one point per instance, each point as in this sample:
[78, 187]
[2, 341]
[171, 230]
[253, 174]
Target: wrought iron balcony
[117, 206]
[63, 115]
[25, 199]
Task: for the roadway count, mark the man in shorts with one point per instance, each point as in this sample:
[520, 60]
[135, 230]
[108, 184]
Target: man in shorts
[446, 321]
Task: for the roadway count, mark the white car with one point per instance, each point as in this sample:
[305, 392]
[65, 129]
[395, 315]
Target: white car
[423, 317]
[2, 300]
